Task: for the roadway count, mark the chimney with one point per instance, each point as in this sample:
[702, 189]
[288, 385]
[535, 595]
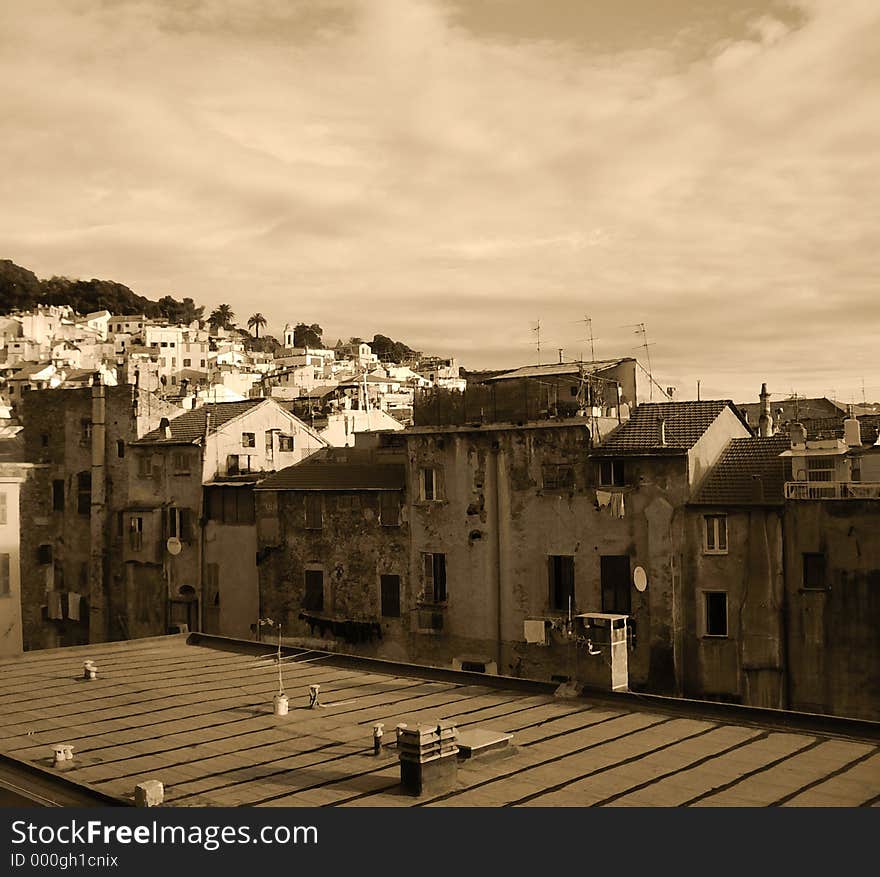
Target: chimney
[798, 435]
[561, 351]
[165, 426]
[661, 427]
[852, 431]
[765, 421]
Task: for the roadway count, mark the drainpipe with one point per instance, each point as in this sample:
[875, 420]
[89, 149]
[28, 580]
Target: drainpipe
[202, 524]
[98, 621]
[499, 556]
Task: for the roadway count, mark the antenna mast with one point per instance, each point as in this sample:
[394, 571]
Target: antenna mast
[537, 331]
[641, 330]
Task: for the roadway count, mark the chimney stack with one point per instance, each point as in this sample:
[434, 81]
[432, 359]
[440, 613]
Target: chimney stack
[661, 426]
[765, 421]
[561, 351]
[852, 430]
[798, 435]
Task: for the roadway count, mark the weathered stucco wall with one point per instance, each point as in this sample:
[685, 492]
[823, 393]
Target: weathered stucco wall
[833, 642]
[714, 667]
[234, 609]
[497, 525]
[352, 550]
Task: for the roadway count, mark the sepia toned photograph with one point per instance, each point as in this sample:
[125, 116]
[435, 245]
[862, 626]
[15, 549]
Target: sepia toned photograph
[433, 403]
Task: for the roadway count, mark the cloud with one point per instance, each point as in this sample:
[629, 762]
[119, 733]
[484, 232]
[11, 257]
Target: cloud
[449, 173]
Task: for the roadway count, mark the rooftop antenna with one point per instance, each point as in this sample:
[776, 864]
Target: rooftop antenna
[643, 332]
[537, 331]
[588, 322]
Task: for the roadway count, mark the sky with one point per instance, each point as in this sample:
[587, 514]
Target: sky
[450, 172]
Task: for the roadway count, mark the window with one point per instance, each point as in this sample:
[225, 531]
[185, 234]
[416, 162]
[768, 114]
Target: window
[285, 443]
[389, 508]
[44, 554]
[820, 468]
[814, 572]
[187, 363]
[44, 439]
[58, 495]
[120, 448]
[145, 466]
[233, 466]
[615, 579]
[230, 505]
[434, 566]
[313, 599]
[85, 431]
[270, 444]
[84, 493]
[561, 573]
[558, 476]
[4, 575]
[715, 534]
[248, 439]
[429, 484]
[390, 588]
[611, 473]
[314, 511]
[2, 509]
[135, 532]
[715, 606]
[178, 524]
[181, 462]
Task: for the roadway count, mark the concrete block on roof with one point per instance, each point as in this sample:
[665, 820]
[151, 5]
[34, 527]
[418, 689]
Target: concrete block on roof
[150, 793]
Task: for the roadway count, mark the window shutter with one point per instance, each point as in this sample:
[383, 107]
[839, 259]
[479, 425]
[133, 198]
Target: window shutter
[164, 523]
[185, 534]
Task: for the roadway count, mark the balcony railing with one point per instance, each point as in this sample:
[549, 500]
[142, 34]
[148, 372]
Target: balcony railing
[832, 490]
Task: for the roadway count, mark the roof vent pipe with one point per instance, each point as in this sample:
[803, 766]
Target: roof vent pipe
[90, 669]
[61, 753]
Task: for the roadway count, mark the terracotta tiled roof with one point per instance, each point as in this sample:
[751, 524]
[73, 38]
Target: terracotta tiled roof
[732, 480]
[189, 428]
[339, 469]
[685, 423]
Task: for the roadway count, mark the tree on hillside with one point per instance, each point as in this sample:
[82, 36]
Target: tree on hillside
[307, 336]
[221, 317]
[19, 288]
[180, 312]
[390, 351]
[266, 344]
[255, 322]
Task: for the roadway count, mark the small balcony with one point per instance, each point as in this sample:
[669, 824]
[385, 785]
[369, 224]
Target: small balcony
[832, 490]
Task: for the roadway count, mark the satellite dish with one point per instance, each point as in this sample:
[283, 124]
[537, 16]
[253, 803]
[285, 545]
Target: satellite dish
[640, 578]
[174, 546]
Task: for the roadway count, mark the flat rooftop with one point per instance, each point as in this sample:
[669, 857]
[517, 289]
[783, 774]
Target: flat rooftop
[199, 718]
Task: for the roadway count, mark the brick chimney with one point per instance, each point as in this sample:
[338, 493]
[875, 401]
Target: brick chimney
[765, 421]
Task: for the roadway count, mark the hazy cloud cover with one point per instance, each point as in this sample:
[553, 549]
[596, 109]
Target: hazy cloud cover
[450, 172]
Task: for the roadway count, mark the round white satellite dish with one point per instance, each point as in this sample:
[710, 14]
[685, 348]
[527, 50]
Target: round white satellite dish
[640, 578]
[174, 546]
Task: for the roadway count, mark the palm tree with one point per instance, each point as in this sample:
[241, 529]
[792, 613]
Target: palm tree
[221, 317]
[255, 322]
